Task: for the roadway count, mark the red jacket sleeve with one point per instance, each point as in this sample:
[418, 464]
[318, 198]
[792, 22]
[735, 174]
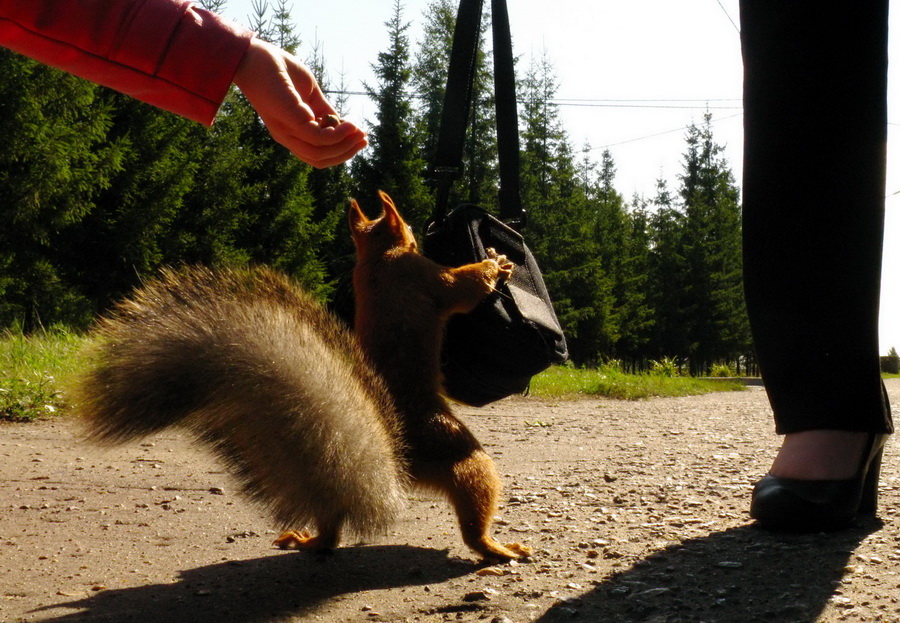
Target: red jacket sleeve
[164, 52]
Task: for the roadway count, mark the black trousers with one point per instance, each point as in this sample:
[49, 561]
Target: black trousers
[815, 132]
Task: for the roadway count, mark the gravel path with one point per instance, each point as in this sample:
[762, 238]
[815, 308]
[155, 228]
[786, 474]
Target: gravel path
[637, 512]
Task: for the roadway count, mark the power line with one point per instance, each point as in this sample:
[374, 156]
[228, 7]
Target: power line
[664, 132]
[736, 28]
[650, 100]
[682, 104]
[652, 104]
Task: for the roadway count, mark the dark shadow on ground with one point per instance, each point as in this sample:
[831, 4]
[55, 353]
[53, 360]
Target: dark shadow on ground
[266, 589]
[744, 575]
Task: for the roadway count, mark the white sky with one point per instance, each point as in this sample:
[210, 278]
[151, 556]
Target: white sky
[648, 67]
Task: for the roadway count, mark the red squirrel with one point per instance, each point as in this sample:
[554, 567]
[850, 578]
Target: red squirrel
[324, 428]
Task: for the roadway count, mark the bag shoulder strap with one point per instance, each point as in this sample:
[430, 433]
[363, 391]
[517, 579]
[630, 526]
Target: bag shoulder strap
[511, 209]
[458, 104]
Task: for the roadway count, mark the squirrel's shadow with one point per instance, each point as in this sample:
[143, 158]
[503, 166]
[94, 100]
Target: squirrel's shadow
[743, 575]
[268, 589]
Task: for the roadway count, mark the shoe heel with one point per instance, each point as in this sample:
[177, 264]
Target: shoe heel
[868, 503]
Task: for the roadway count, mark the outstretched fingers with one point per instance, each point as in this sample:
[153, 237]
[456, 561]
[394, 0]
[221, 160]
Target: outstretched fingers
[317, 144]
[290, 102]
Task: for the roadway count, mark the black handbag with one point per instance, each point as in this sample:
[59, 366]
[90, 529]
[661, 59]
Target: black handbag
[493, 351]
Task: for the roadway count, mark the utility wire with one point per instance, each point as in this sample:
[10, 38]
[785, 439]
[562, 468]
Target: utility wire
[736, 28]
[685, 104]
[698, 104]
[654, 135]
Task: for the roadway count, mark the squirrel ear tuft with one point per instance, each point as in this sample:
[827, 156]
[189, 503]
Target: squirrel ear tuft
[358, 220]
[390, 210]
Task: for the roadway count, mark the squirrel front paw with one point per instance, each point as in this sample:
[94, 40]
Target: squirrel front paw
[503, 263]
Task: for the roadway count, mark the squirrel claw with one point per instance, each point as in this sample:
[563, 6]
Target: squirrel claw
[523, 551]
[494, 551]
[506, 267]
[518, 550]
[295, 539]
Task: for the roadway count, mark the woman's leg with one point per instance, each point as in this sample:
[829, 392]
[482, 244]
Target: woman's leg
[813, 197]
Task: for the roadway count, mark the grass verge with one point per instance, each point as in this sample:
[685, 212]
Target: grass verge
[30, 369]
[32, 366]
[612, 382]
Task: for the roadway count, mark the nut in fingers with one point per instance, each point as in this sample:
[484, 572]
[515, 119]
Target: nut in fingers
[329, 121]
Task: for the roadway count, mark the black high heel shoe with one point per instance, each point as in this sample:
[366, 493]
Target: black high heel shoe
[820, 505]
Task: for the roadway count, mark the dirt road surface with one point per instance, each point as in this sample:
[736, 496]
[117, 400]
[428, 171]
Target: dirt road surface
[637, 512]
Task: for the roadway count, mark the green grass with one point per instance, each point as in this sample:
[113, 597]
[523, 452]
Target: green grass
[31, 368]
[612, 382]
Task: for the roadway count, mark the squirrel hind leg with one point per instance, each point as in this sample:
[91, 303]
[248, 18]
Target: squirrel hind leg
[474, 493]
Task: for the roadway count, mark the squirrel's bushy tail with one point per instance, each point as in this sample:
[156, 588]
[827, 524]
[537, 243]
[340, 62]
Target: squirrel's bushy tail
[257, 369]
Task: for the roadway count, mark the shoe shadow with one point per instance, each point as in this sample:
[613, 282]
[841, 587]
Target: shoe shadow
[267, 589]
[743, 575]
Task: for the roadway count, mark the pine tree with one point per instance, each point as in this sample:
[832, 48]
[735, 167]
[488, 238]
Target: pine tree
[541, 127]
[208, 228]
[281, 31]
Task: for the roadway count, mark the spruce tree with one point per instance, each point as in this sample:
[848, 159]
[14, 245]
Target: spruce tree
[562, 221]
[54, 161]
[622, 241]
[712, 247]
[331, 189]
[275, 223]
[667, 276]
[478, 183]
[394, 161]
[429, 72]
[611, 231]
[127, 234]
[637, 318]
